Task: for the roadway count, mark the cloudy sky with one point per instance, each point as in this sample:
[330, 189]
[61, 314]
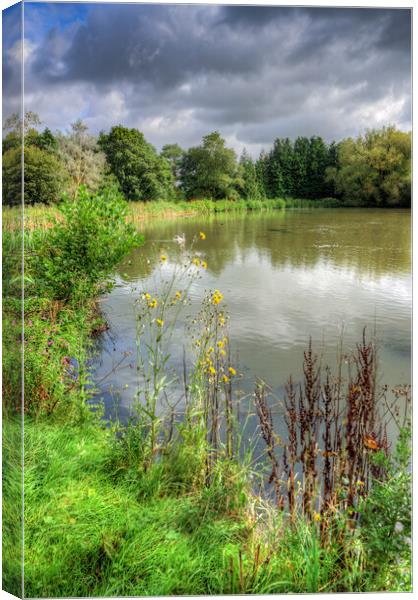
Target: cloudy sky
[178, 72]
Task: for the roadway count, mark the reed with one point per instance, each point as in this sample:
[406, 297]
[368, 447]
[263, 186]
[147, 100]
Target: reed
[335, 427]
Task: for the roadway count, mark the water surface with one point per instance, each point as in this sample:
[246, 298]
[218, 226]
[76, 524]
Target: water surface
[286, 276]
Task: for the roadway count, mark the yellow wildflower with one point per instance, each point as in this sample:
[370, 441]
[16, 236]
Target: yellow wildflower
[159, 322]
[222, 352]
[217, 297]
[163, 257]
[202, 235]
[153, 303]
[210, 349]
[232, 370]
[221, 320]
[212, 370]
[204, 264]
[147, 296]
[178, 295]
[220, 344]
[196, 261]
[360, 483]
[225, 378]
[317, 517]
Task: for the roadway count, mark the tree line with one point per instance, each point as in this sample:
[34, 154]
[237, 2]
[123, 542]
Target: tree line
[372, 170]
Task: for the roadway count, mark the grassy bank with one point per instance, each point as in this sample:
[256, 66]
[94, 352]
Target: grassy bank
[40, 216]
[166, 505]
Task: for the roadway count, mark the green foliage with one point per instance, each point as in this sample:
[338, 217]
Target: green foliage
[174, 155]
[251, 187]
[83, 160]
[210, 170]
[374, 169]
[47, 141]
[298, 169]
[74, 257]
[386, 519]
[44, 176]
[142, 174]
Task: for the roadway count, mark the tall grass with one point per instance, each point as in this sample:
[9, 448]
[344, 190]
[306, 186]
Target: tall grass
[43, 216]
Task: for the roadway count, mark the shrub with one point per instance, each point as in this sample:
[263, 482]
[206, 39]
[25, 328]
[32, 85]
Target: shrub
[75, 256]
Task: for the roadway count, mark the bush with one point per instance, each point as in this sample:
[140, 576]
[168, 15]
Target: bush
[74, 257]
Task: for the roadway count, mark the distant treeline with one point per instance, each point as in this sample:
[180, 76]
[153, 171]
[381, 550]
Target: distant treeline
[371, 170]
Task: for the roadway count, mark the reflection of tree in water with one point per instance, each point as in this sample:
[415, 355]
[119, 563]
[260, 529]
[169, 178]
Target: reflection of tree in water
[370, 241]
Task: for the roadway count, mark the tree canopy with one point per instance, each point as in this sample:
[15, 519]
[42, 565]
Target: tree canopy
[82, 158]
[210, 170]
[142, 174]
[372, 170]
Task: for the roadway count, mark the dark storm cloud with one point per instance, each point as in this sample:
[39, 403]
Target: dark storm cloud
[11, 59]
[253, 72]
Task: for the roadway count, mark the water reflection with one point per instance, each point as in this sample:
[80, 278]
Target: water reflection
[285, 276]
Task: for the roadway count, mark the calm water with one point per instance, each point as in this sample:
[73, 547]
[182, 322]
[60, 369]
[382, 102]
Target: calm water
[285, 276]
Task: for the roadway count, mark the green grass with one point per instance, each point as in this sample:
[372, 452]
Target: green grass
[91, 530]
[88, 535]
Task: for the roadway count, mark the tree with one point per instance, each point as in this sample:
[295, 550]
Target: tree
[251, 188]
[279, 171]
[316, 167]
[261, 173]
[15, 127]
[210, 170]
[300, 167]
[47, 141]
[142, 174]
[174, 155]
[374, 169]
[43, 175]
[82, 158]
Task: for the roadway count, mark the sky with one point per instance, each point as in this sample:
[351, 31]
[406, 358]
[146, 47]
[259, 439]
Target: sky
[178, 72]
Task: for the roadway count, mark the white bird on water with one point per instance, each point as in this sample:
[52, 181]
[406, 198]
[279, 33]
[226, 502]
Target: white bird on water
[180, 239]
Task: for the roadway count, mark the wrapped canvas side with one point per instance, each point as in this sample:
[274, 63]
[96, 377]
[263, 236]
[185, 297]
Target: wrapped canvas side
[12, 201]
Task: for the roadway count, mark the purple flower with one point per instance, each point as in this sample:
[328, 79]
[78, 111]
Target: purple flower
[50, 342]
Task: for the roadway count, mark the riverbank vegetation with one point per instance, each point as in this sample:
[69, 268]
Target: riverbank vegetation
[174, 502]
[372, 170]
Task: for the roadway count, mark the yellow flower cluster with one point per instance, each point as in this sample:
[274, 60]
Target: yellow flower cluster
[199, 263]
[217, 297]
